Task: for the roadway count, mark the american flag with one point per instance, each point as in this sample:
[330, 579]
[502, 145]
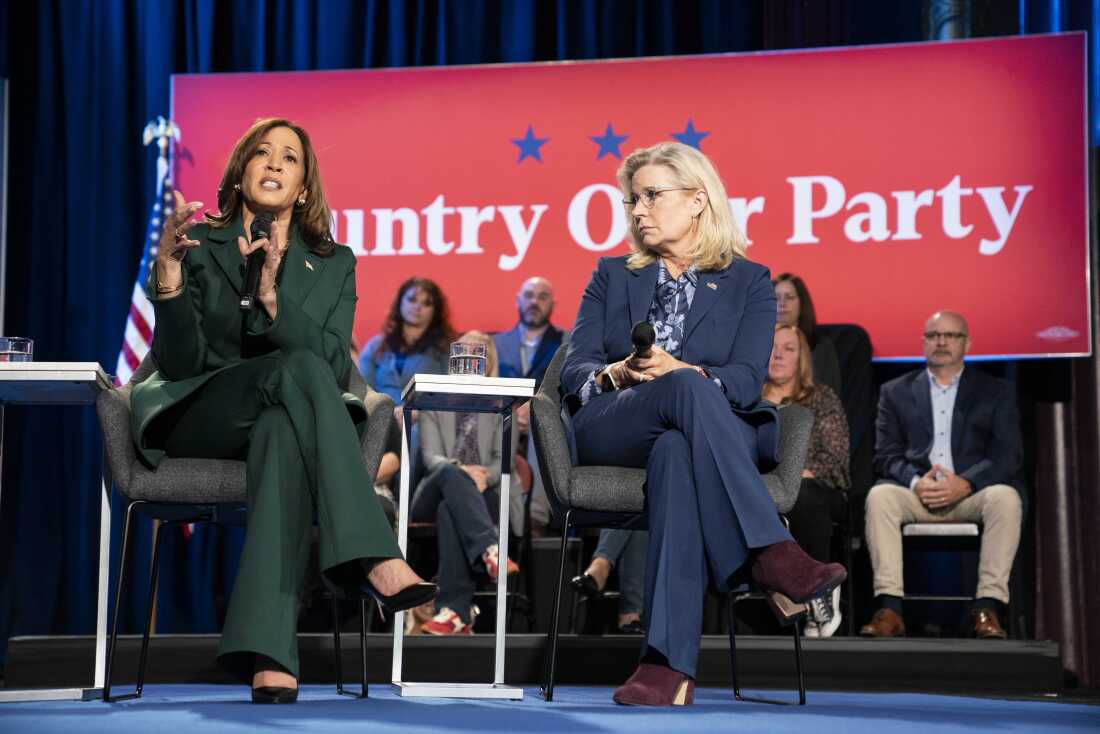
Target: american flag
[138, 336]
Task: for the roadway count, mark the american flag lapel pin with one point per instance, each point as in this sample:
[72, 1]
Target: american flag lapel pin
[309, 265]
[712, 286]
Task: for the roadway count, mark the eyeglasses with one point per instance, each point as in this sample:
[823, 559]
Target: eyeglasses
[945, 335]
[649, 196]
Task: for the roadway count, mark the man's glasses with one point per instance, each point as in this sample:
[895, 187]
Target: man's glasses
[649, 196]
[945, 335]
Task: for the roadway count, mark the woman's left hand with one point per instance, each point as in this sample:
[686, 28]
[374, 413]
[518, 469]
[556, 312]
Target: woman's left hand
[658, 363]
[274, 248]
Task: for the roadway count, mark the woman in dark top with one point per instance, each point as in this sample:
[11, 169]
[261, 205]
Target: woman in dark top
[825, 478]
[269, 386]
[796, 308]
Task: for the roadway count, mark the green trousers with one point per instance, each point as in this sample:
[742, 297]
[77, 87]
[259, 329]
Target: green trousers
[284, 414]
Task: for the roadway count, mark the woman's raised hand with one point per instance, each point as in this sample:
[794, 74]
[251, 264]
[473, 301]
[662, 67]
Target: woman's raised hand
[174, 241]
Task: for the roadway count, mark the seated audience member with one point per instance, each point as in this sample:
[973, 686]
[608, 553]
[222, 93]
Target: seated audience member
[825, 478]
[460, 492]
[947, 449]
[796, 308]
[526, 351]
[415, 337]
[627, 550]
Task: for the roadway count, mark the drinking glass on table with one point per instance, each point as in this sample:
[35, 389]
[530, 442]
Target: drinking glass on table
[467, 358]
[16, 349]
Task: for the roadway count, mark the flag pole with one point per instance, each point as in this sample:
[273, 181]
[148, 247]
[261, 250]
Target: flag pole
[163, 132]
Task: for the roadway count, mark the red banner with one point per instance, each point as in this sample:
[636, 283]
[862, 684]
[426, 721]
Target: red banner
[895, 180]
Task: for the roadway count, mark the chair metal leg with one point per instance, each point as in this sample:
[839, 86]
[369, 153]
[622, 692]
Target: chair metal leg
[731, 602]
[796, 630]
[150, 605]
[364, 620]
[336, 645]
[850, 582]
[122, 558]
[552, 635]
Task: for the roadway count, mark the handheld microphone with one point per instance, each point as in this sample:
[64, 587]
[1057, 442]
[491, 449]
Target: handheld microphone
[260, 230]
[643, 335]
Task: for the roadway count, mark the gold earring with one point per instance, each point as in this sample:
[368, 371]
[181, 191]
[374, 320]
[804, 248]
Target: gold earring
[301, 201]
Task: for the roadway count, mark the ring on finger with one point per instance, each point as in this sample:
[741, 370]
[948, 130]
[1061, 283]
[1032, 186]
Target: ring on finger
[179, 235]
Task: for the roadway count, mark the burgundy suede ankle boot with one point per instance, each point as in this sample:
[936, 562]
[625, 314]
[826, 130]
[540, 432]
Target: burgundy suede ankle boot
[656, 685]
[785, 567]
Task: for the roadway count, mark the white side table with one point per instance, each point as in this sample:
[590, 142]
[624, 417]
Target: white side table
[465, 394]
[64, 383]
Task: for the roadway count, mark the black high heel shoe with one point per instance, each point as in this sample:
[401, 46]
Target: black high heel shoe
[274, 694]
[411, 596]
[585, 586]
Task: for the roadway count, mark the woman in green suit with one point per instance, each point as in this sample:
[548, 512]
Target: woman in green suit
[270, 386]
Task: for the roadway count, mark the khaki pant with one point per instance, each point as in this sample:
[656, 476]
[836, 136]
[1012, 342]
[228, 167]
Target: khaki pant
[996, 507]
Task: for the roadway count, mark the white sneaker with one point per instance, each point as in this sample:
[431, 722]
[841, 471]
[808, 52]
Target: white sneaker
[825, 615]
[810, 628]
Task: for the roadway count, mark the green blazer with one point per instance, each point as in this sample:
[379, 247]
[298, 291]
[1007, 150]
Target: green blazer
[199, 332]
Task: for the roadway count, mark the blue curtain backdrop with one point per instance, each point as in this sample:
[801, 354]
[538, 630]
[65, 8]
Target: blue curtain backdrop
[86, 76]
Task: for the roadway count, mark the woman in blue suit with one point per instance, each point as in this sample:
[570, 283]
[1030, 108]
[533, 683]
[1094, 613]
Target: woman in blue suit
[688, 413]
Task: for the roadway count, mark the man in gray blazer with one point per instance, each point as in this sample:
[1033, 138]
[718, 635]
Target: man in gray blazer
[525, 350]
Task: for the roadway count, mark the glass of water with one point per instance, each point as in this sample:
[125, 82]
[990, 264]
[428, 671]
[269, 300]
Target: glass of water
[467, 358]
[16, 349]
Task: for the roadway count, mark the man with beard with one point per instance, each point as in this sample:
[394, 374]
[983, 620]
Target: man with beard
[526, 351]
[947, 449]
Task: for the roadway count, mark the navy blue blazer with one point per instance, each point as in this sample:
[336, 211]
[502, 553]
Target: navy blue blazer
[985, 430]
[508, 352]
[728, 330]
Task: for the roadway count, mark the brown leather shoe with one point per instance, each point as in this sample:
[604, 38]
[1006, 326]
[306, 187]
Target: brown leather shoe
[885, 623]
[985, 625]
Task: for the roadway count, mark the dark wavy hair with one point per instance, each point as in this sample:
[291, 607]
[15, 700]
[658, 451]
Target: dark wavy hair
[439, 334]
[807, 316]
[314, 220]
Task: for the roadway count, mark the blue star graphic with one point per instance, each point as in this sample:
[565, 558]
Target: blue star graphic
[529, 145]
[609, 143]
[691, 136]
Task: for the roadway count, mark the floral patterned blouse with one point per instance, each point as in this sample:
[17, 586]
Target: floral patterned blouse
[828, 456]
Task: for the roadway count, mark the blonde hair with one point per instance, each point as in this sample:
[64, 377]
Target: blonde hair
[804, 385]
[492, 362]
[718, 241]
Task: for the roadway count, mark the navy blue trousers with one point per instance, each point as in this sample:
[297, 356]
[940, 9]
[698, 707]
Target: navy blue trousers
[707, 505]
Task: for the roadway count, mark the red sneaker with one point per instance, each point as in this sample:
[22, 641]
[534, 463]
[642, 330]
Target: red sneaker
[447, 622]
[491, 559]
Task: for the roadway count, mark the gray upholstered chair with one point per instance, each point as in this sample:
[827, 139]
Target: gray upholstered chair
[181, 491]
[613, 497]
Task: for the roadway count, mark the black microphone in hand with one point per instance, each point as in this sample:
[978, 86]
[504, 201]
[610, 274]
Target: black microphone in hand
[643, 335]
[260, 230]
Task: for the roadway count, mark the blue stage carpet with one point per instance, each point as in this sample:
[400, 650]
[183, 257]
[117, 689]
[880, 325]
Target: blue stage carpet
[197, 709]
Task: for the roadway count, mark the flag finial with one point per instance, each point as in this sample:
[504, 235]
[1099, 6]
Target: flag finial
[162, 131]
